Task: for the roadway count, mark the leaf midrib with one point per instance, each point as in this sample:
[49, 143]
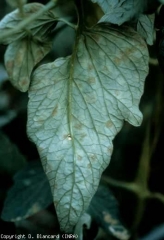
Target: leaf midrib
[69, 116]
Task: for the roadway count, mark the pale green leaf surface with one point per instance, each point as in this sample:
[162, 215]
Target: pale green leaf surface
[118, 12]
[20, 58]
[145, 27]
[37, 27]
[76, 107]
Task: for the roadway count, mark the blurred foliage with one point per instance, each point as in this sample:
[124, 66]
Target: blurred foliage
[11, 159]
[30, 193]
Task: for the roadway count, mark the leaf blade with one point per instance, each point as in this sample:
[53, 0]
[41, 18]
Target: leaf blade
[145, 27]
[104, 209]
[79, 107]
[118, 12]
[11, 160]
[11, 20]
[29, 194]
[21, 57]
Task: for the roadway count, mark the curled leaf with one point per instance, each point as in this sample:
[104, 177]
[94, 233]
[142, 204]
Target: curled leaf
[118, 12]
[145, 27]
[21, 57]
[36, 28]
[76, 107]
[85, 220]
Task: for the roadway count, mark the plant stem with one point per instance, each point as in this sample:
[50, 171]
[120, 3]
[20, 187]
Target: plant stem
[81, 14]
[68, 23]
[20, 6]
[142, 175]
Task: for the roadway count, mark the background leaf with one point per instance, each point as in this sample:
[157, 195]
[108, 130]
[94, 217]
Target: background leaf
[37, 28]
[11, 160]
[20, 59]
[29, 194]
[145, 27]
[15, 3]
[76, 107]
[118, 12]
[104, 210]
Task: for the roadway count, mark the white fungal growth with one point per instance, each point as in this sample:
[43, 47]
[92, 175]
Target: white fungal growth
[69, 137]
